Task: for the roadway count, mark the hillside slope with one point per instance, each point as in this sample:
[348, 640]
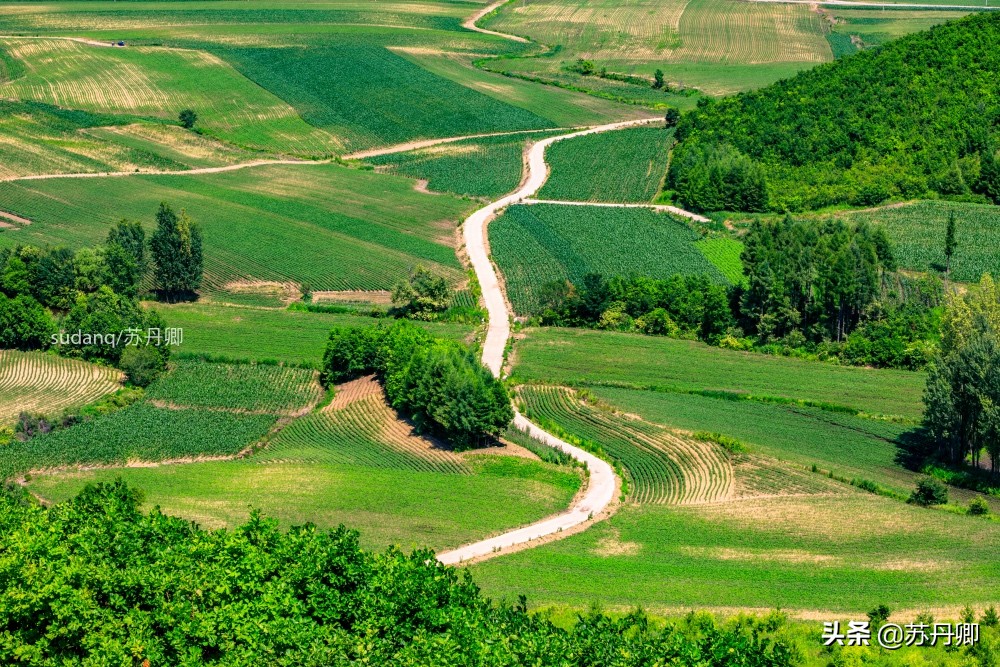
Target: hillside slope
[919, 115]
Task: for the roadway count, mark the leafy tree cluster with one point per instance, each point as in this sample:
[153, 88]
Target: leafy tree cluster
[440, 384]
[916, 117]
[421, 295]
[962, 397]
[95, 580]
[717, 177]
[680, 306]
[813, 289]
[814, 278]
[176, 248]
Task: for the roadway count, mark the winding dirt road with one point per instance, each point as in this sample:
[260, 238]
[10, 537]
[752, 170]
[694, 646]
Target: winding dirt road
[602, 482]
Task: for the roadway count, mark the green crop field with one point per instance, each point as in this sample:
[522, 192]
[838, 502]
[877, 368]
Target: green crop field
[719, 46]
[333, 227]
[154, 81]
[34, 382]
[841, 553]
[585, 357]
[724, 253]
[282, 335]
[537, 244]
[917, 234]
[661, 466]
[623, 166]
[406, 507]
[484, 167]
[140, 432]
[244, 387]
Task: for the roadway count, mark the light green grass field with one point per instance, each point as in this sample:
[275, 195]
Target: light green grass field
[333, 227]
[586, 357]
[256, 333]
[160, 82]
[834, 554]
[405, 507]
[719, 46]
[623, 166]
[537, 244]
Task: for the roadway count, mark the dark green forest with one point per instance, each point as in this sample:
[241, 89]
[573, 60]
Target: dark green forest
[917, 117]
[97, 581]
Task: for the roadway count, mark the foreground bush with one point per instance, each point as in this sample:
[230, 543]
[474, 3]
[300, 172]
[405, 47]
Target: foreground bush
[96, 581]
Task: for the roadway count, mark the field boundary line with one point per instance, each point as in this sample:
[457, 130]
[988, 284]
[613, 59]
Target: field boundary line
[655, 207]
[602, 482]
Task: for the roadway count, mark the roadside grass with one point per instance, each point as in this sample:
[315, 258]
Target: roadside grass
[333, 227]
[36, 382]
[540, 243]
[622, 166]
[389, 506]
[842, 554]
[587, 357]
[289, 336]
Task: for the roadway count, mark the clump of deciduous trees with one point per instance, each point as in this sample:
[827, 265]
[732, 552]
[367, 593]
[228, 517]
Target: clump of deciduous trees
[916, 117]
[439, 384]
[96, 580]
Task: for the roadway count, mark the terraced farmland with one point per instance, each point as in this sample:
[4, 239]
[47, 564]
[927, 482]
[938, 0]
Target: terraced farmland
[333, 227]
[159, 82]
[484, 167]
[664, 467]
[541, 243]
[35, 382]
[623, 166]
[359, 428]
[583, 357]
[241, 387]
[917, 232]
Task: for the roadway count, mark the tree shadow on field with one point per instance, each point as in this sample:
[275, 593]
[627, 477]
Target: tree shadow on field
[913, 448]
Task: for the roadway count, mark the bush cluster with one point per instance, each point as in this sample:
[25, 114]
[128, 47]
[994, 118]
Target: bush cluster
[439, 384]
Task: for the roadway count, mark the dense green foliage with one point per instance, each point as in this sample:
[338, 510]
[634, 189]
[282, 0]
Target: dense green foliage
[681, 306]
[440, 384]
[177, 253]
[916, 116]
[717, 178]
[85, 593]
[541, 243]
[622, 166]
[817, 279]
[421, 295]
[963, 386]
[24, 324]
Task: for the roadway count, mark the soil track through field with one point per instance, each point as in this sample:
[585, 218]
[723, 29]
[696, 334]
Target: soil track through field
[602, 481]
[877, 5]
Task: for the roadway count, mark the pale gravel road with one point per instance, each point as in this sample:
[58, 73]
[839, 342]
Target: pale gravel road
[601, 485]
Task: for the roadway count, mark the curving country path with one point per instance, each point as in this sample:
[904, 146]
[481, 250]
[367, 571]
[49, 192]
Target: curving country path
[159, 172]
[602, 482]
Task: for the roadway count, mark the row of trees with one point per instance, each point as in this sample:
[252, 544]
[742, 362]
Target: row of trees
[96, 580]
[916, 117]
[439, 384]
[91, 295]
[827, 289]
[963, 386]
